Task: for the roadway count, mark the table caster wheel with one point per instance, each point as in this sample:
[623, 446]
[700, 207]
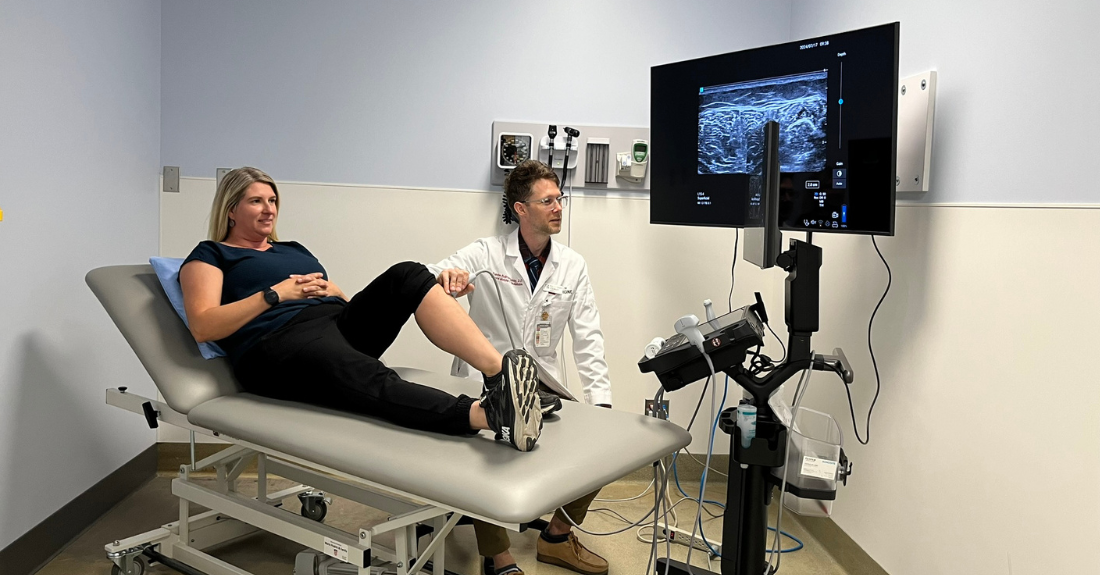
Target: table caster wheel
[137, 568]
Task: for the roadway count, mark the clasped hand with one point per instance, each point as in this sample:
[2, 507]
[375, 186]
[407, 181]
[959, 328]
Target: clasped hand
[303, 286]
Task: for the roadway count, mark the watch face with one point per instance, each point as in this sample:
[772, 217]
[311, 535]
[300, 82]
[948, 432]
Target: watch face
[514, 150]
[271, 296]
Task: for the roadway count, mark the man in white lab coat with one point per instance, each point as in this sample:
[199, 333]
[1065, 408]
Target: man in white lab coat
[544, 287]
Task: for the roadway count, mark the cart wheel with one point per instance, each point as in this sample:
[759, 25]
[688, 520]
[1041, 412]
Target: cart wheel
[137, 569]
[317, 512]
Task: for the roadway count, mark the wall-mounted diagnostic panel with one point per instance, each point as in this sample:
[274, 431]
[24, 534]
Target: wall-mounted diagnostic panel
[583, 156]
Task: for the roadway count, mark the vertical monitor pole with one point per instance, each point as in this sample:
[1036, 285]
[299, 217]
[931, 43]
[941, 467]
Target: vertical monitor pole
[745, 525]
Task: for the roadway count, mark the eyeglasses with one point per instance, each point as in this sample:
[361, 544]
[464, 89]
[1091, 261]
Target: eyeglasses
[548, 202]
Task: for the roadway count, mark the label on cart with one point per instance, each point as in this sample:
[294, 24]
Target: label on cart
[819, 468]
[336, 549]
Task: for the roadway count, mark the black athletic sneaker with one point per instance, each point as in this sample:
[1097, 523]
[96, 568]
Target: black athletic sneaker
[511, 406]
[549, 402]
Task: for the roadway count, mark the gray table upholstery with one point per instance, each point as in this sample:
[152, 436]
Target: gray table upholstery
[137, 304]
[581, 448]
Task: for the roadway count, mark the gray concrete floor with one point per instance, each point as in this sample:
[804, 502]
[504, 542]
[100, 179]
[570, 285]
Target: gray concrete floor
[153, 505]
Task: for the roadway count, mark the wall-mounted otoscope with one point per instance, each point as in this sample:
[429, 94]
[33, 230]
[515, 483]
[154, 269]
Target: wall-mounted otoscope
[570, 133]
[552, 133]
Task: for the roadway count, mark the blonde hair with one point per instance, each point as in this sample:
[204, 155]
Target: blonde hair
[229, 194]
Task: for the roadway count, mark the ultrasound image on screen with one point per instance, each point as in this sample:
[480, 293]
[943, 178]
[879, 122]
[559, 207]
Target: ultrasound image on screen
[732, 117]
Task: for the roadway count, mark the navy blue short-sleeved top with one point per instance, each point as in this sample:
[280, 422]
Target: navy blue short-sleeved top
[247, 271]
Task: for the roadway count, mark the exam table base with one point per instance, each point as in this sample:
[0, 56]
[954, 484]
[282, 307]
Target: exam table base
[232, 515]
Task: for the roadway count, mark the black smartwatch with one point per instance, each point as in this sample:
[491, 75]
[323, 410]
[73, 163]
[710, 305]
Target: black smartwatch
[271, 296]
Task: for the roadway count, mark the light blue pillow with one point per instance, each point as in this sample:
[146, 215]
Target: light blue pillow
[168, 272]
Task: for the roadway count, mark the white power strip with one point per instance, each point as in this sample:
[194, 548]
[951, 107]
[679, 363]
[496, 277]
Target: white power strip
[683, 537]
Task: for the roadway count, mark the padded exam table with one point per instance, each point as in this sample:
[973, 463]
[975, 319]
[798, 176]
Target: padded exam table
[416, 477]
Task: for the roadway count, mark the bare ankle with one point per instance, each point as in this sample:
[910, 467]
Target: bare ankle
[478, 420]
[558, 527]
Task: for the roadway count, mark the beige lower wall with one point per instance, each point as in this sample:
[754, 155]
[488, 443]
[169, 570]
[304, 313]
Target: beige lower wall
[985, 448]
[985, 441]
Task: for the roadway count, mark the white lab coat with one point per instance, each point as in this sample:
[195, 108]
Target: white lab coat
[563, 293]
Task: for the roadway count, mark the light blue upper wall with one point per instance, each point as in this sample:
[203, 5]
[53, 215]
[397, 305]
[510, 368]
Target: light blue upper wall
[1016, 112]
[79, 157]
[404, 93]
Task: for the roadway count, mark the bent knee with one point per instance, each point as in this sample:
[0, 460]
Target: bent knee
[410, 279]
[409, 271]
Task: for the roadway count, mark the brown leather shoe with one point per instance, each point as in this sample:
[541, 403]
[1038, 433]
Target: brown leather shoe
[571, 555]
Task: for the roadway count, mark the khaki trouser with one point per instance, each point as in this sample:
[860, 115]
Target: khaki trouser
[493, 540]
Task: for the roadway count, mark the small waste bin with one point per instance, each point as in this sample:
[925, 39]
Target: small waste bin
[816, 463]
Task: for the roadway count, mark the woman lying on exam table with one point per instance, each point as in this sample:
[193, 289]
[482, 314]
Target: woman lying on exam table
[287, 329]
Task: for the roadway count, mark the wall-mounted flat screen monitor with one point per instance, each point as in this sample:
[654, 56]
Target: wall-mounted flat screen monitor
[836, 101]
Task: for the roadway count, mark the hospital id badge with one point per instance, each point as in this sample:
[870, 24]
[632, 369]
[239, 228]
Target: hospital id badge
[542, 334]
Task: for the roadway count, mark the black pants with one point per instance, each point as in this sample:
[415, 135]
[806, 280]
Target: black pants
[328, 354]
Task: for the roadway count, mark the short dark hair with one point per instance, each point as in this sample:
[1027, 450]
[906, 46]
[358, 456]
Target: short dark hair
[518, 184]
